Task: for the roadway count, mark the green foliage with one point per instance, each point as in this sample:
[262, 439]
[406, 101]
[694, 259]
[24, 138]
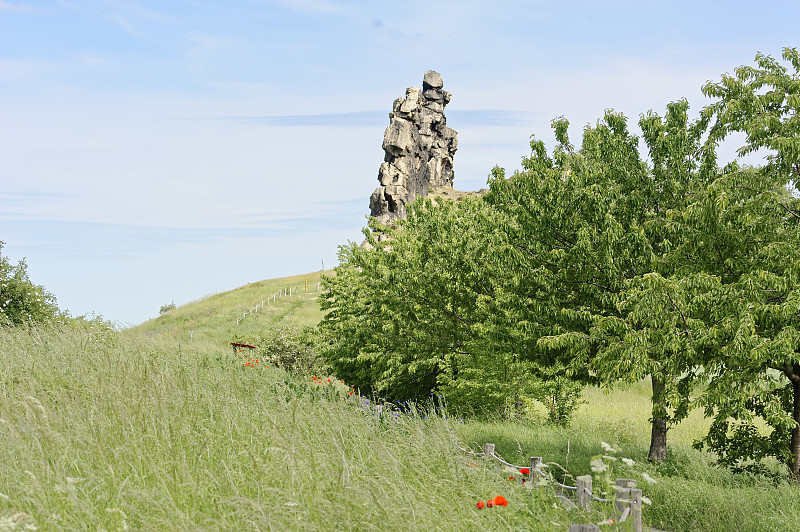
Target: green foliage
[404, 313]
[591, 236]
[561, 398]
[418, 313]
[745, 259]
[21, 301]
[166, 308]
[292, 350]
[763, 102]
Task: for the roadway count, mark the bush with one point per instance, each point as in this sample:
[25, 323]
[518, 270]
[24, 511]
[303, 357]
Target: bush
[21, 301]
[292, 350]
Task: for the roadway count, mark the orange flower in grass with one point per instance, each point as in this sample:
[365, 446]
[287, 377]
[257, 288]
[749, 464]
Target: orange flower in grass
[499, 500]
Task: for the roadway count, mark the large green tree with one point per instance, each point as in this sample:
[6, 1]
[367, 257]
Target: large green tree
[587, 229]
[746, 229]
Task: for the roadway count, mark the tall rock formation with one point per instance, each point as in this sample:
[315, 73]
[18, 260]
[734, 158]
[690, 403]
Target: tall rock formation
[419, 150]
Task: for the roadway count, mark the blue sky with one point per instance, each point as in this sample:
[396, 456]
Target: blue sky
[159, 151]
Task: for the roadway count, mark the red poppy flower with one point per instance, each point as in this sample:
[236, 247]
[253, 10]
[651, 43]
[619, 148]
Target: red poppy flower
[510, 478]
[489, 504]
[479, 506]
[525, 471]
[499, 500]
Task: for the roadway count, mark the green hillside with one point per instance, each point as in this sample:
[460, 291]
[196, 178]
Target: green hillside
[231, 316]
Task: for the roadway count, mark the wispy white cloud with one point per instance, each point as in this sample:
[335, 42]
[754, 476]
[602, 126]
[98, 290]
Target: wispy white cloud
[456, 118]
[315, 7]
[13, 7]
[201, 44]
[129, 29]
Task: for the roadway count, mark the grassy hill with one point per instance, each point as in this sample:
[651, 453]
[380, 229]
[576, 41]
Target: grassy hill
[214, 318]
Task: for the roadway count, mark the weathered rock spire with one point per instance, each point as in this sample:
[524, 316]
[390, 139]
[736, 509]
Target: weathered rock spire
[419, 150]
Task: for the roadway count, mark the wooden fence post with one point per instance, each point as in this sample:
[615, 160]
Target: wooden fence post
[636, 509]
[584, 528]
[584, 484]
[625, 488]
[488, 449]
[536, 464]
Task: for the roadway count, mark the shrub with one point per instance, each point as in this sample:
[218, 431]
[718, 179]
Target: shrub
[21, 301]
[293, 350]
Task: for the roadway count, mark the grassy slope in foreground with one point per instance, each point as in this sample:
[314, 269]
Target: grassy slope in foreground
[105, 430]
[213, 318]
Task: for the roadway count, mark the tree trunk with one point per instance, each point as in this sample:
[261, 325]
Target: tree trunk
[658, 436]
[795, 443]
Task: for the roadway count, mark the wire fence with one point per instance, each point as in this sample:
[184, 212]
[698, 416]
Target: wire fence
[628, 499]
[272, 299]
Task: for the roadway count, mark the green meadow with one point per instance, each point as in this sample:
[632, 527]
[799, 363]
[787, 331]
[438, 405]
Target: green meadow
[160, 428]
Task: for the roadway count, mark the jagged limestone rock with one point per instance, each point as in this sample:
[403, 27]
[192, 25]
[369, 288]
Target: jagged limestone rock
[419, 150]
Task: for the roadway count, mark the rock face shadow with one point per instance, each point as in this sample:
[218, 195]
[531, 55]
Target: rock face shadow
[419, 150]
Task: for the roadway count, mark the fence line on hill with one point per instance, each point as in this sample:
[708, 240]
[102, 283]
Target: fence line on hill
[628, 501]
[283, 292]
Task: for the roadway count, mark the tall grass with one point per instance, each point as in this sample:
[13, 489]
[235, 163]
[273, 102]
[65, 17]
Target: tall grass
[104, 430]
